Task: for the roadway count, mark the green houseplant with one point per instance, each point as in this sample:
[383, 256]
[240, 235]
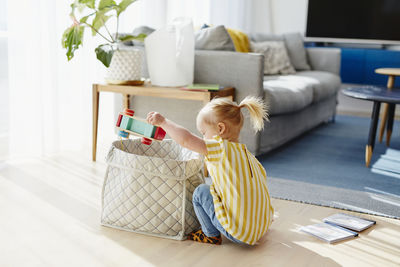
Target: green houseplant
[94, 15]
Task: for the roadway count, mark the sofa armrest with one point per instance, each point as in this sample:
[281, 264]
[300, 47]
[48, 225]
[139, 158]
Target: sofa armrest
[243, 71]
[325, 59]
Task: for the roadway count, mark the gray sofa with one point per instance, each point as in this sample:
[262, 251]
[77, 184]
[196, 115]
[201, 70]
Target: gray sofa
[297, 102]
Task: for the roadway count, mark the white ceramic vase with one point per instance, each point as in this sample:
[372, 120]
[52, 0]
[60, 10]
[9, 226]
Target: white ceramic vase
[125, 66]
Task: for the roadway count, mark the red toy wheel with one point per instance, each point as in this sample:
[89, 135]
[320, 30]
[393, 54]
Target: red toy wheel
[119, 120]
[159, 134]
[129, 112]
[146, 141]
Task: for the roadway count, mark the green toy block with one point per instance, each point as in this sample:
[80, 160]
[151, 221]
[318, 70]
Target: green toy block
[126, 123]
[143, 128]
[150, 131]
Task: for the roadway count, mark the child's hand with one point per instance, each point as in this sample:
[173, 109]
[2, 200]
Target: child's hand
[155, 118]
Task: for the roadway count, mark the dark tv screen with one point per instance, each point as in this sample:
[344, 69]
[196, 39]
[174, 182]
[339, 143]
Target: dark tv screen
[354, 19]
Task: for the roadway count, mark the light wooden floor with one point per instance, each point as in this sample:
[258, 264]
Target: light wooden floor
[50, 208]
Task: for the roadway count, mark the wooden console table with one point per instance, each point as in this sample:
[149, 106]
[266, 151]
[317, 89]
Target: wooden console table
[149, 90]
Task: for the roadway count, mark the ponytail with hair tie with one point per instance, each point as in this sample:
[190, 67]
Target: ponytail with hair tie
[225, 109]
[258, 111]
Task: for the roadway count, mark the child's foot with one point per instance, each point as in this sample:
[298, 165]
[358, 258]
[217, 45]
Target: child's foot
[199, 236]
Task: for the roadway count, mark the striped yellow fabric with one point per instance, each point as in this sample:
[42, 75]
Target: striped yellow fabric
[239, 189]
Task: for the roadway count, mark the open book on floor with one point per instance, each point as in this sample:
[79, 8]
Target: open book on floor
[338, 227]
[329, 233]
[349, 221]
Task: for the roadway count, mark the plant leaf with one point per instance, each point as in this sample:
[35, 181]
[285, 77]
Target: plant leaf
[99, 21]
[128, 37]
[72, 39]
[106, 4]
[103, 55]
[88, 3]
[123, 5]
[84, 19]
[77, 5]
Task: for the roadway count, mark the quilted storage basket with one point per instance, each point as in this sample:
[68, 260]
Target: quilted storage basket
[148, 188]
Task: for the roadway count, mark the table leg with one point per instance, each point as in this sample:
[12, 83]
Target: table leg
[95, 104]
[390, 123]
[383, 122]
[372, 132]
[207, 98]
[390, 85]
[126, 100]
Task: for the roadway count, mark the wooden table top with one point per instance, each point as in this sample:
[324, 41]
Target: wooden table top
[373, 93]
[166, 92]
[388, 71]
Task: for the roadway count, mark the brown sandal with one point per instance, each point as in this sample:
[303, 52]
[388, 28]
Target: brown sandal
[199, 236]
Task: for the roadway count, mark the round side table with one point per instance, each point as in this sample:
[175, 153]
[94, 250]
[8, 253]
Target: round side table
[377, 95]
[392, 73]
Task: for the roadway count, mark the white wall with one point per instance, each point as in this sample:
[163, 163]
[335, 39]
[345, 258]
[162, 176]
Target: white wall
[266, 16]
[4, 91]
[244, 15]
[288, 16]
[261, 14]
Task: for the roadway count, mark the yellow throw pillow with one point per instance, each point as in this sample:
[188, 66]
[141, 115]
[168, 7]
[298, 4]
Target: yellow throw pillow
[240, 40]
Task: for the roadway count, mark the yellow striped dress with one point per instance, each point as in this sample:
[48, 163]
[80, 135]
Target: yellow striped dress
[239, 189]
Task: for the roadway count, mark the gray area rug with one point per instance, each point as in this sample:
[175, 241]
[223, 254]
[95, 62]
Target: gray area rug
[372, 202]
[326, 167]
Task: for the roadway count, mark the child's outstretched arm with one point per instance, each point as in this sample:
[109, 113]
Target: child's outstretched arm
[181, 135]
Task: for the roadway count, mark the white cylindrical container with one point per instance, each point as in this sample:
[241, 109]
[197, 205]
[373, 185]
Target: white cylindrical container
[170, 54]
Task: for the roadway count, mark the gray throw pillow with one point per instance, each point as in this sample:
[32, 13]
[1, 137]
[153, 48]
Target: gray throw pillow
[297, 52]
[213, 38]
[276, 59]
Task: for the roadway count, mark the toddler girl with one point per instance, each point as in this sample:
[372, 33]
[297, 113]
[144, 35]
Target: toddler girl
[237, 204]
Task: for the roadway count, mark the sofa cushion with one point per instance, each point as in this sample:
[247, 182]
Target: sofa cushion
[294, 45]
[276, 59]
[297, 52]
[328, 83]
[213, 38]
[286, 94]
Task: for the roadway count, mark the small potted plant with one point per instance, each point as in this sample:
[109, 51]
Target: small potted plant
[124, 65]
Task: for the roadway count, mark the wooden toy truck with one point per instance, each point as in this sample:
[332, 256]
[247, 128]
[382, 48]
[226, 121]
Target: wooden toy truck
[128, 124]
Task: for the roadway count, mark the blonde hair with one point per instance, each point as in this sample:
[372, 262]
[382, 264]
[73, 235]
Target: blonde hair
[226, 110]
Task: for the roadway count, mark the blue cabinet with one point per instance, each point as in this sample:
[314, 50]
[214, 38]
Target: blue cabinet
[358, 65]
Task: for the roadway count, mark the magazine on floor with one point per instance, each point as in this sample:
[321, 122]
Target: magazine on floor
[329, 233]
[349, 221]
